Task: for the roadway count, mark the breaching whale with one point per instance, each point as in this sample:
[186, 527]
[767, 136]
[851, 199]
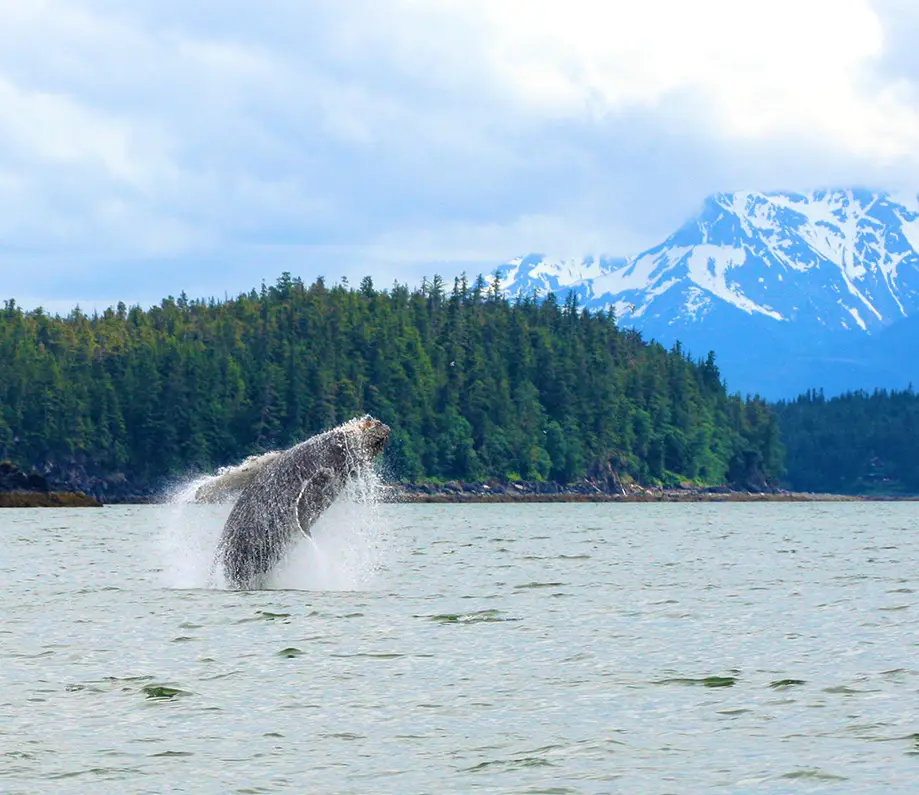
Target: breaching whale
[286, 492]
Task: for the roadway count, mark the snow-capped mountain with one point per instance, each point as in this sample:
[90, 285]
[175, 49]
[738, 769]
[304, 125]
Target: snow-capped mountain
[753, 268]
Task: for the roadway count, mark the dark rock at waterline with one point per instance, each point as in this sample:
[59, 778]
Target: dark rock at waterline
[104, 486]
[604, 486]
[14, 479]
[49, 499]
[32, 490]
[82, 476]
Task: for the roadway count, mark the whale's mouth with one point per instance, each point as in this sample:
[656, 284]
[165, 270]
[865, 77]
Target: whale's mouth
[374, 435]
[366, 437]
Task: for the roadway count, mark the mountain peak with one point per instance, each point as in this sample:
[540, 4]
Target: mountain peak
[832, 259]
[792, 290]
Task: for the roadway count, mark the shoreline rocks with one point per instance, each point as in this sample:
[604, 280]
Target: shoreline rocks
[50, 499]
[413, 494]
[588, 490]
[21, 490]
[18, 489]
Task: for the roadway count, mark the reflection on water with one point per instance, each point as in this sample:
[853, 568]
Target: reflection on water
[539, 648]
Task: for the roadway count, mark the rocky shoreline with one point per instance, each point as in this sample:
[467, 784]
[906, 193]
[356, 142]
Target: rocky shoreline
[50, 499]
[664, 496]
[21, 490]
[586, 491]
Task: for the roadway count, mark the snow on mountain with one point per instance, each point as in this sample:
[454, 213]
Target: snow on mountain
[827, 260]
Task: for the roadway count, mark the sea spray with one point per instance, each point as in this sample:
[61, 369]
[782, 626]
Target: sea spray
[190, 536]
[349, 544]
[347, 548]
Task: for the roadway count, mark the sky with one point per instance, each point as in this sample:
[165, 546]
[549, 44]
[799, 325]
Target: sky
[153, 146]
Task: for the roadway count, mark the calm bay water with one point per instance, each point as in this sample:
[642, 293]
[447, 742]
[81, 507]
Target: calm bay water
[538, 648]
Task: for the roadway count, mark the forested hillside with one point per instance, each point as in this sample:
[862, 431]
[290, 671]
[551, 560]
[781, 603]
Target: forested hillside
[473, 386]
[857, 443]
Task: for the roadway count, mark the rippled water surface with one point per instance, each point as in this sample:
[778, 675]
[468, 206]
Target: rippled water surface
[466, 648]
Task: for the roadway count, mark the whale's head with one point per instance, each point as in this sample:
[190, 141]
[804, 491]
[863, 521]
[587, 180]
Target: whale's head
[374, 435]
[365, 437]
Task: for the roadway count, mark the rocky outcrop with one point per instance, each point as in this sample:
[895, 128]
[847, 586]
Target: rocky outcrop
[21, 490]
[50, 499]
[79, 476]
[605, 487]
[13, 479]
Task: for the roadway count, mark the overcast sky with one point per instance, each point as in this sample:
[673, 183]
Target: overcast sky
[153, 146]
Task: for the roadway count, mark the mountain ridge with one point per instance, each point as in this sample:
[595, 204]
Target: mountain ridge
[755, 271]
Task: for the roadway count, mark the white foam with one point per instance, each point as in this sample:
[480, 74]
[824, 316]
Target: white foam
[349, 545]
[348, 548]
[190, 537]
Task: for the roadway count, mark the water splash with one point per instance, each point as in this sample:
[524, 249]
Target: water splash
[347, 550]
[189, 536]
[349, 544]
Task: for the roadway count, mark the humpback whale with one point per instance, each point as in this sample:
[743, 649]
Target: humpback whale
[286, 492]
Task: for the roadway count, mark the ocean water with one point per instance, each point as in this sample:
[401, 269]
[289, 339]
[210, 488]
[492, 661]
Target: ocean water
[635, 648]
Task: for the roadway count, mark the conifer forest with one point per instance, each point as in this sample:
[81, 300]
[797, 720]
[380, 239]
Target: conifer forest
[474, 386]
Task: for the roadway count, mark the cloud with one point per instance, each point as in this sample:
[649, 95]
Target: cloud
[147, 147]
[795, 67]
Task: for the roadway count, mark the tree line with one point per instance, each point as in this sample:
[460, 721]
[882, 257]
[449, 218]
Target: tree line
[474, 386]
[855, 443]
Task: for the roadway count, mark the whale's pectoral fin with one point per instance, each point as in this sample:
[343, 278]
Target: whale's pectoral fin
[313, 499]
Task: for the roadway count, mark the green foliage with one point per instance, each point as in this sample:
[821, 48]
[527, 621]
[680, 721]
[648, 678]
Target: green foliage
[854, 443]
[473, 386]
